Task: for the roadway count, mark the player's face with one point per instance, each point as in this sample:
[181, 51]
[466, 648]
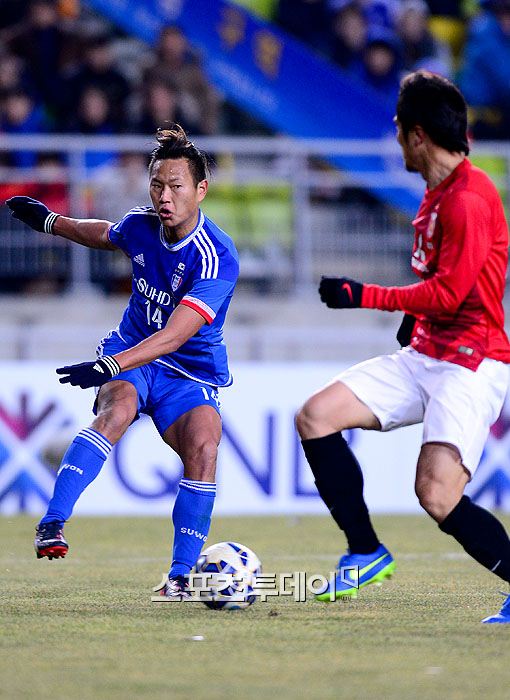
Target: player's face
[407, 154]
[175, 196]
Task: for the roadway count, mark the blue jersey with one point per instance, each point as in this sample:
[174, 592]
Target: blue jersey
[199, 271]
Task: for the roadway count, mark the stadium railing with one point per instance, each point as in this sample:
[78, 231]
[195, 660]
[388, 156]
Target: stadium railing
[291, 214]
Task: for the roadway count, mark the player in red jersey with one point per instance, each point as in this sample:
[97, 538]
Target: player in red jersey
[452, 373]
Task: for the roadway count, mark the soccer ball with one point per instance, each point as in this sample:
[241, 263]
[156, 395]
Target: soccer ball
[231, 570]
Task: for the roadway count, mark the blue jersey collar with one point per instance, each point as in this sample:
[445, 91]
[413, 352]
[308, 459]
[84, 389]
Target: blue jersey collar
[187, 239]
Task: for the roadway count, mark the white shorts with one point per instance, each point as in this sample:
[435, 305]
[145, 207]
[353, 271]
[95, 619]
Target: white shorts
[456, 405]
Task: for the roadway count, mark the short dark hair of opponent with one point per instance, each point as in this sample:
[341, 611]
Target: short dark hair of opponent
[438, 106]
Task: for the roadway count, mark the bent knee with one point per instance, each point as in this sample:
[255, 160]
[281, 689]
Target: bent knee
[332, 409]
[115, 414]
[317, 418]
[199, 451]
[200, 460]
[309, 419]
[113, 424]
[435, 499]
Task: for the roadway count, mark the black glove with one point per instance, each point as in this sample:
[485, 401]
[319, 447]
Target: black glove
[33, 213]
[340, 292]
[405, 331]
[88, 374]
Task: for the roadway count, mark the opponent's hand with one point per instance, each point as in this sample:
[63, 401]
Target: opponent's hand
[340, 292]
[405, 331]
[33, 213]
[88, 374]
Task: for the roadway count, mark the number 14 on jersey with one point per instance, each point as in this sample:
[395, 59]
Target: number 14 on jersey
[156, 317]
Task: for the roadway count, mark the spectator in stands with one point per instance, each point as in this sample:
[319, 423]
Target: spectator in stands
[448, 20]
[115, 189]
[176, 61]
[41, 41]
[13, 74]
[98, 71]
[21, 114]
[160, 104]
[485, 77]
[94, 117]
[349, 34]
[420, 47]
[51, 182]
[305, 19]
[381, 13]
[382, 63]
[446, 8]
[12, 13]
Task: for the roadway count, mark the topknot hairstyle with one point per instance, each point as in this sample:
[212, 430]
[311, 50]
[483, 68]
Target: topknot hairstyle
[173, 143]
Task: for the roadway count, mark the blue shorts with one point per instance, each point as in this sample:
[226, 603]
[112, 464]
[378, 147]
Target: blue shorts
[163, 394]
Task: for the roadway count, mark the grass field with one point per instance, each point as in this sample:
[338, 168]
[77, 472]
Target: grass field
[84, 627]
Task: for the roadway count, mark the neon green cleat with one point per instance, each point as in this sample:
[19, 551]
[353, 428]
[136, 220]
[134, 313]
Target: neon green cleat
[356, 571]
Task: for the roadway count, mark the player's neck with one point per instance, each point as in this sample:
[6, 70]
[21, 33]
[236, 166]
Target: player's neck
[439, 166]
[174, 234]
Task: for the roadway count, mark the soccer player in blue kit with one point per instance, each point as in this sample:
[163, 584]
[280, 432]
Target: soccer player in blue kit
[167, 357]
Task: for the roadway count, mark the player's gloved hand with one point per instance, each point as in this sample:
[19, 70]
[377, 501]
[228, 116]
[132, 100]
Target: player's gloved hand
[33, 213]
[340, 292]
[405, 331]
[88, 374]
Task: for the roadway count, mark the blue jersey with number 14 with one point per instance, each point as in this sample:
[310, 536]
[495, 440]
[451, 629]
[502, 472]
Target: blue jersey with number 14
[199, 271]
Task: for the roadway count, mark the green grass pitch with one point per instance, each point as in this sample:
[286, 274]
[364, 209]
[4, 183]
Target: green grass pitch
[85, 628]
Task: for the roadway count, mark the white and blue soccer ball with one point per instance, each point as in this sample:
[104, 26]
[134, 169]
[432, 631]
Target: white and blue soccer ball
[230, 572]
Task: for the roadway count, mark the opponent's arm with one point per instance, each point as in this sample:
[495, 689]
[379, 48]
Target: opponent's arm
[465, 246]
[92, 233]
[182, 325]
[464, 250]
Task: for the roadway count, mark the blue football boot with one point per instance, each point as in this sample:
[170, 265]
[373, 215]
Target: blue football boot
[503, 616]
[358, 570]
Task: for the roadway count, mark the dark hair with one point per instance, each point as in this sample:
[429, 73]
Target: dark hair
[173, 143]
[438, 106]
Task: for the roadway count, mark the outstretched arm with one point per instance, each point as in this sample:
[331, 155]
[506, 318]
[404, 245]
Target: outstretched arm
[182, 325]
[92, 233]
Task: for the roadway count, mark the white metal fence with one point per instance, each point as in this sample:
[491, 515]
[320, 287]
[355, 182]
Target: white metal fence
[292, 215]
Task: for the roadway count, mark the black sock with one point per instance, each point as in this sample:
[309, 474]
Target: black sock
[481, 534]
[339, 481]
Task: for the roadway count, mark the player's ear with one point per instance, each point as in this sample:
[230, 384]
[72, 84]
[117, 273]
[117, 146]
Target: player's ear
[418, 135]
[202, 188]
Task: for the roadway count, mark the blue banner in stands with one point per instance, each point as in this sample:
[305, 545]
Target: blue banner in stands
[277, 79]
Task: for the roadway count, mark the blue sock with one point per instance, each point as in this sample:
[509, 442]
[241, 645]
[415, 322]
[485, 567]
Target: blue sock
[191, 518]
[80, 465]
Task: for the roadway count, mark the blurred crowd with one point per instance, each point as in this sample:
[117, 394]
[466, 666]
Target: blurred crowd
[62, 70]
[381, 40]
[59, 74]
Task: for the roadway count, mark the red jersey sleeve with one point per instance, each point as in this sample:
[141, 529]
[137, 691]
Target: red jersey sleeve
[465, 220]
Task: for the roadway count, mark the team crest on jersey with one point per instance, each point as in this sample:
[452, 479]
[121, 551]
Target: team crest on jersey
[177, 277]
